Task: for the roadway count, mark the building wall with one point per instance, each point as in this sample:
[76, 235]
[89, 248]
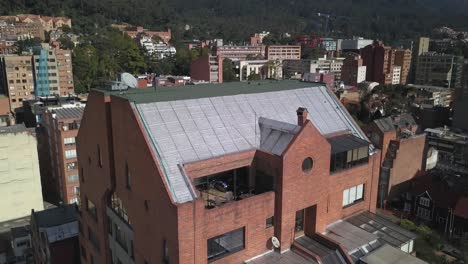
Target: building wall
[65, 71]
[17, 77]
[65, 251]
[409, 163]
[52, 71]
[200, 69]
[379, 61]
[20, 183]
[403, 59]
[283, 52]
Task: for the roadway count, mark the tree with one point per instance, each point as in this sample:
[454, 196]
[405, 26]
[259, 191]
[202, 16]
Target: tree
[85, 67]
[229, 74]
[66, 42]
[254, 77]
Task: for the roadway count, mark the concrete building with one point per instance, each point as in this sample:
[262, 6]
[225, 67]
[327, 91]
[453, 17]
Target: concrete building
[431, 96]
[54, 235]
[21, 31]
[328, 65]
[422, 45]
[16, 76]
[379, 60]
[21, 244]
[64, 71]
[403, 154]
[326, 78]
[283, 52]
[20, 182]
[396, 75]
[460, 111]
[353, 70]
[329, 44]
[439, 70]
[264, 68]
[61, 128]
[403, 60]
[46, 72]
[5, 111]
[208, 69]
[240, 52]
[452, 148]
[279, 170]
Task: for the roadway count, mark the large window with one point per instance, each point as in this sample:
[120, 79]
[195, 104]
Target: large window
[224, 245]
[424, 201]
[72, 166]
[73, 178]
[353, 195]
[424, 213]
[69, 154]
[69, 141]
[348, 159]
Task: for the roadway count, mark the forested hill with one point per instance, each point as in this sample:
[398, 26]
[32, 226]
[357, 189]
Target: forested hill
[237, 19]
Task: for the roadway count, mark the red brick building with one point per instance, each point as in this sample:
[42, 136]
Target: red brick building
[210, 173]
[403, 154]
[208, 69]
[61, 128]
[379, 60]
[403, 59]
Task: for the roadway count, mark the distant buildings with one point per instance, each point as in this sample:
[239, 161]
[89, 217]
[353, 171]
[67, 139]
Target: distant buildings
[353, 45]
[379, 61]
[327, 78]
[293, 68]
[403, 60]
[54, 235]
[439, 70]
[257, 38]
[265, 69]
[16, 75]
[61, 128]
[169, 81]
[240, 52]
[353, 70]
[396, 75]
[452, 148]
[312, 42]
[136, 31]
[208, 69]
[328, 65]
[21, 244]
[157, 49]
[19, 173]
[283, 52]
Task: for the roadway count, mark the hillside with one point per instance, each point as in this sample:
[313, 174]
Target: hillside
[237, 19]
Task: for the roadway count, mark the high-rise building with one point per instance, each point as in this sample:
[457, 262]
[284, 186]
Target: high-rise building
[19, 173]
[65, 71]
[17, 76]
[61, 128]
[423, 45]
[208, 69]
[460, 111]
[215, 173]
[379, 60]
[283, 52]
[353, 70]
[438, 69]
[403, 60]
[46, 72]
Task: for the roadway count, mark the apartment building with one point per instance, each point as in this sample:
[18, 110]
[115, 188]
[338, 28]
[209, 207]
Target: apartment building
[64, 71]
[403, 60]
[380, 61]
[46, 72]
[61, 128]
[328, 65]
[438, 69]
[353, 70]
[210, 173]
[283, 52]
[353, 45]
[17, 76]
[19, 173]
[208, 69]
[54, 235]
[263, 68]
[240, 52]
[396, 75]
[21, 31]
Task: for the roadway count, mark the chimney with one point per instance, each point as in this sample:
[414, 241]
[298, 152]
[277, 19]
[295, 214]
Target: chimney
[301, 116]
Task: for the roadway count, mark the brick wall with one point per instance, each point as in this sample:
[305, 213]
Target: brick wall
[200, 69]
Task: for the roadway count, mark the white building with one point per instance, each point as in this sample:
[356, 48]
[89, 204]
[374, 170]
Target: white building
[353, 44]
[159, 49]
[325, 65]
[396, 75]
[265, 68]
[361, 74]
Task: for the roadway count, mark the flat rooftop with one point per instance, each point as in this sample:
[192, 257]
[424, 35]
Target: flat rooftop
[288, 257]
[389, 254]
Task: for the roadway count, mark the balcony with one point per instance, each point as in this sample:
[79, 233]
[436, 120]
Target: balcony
[231, 186]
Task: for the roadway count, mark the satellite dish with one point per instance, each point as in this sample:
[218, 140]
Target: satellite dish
[129, 80]
[275, 241]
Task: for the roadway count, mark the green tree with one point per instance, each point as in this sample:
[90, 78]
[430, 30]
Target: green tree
[85, 67]
[229, 74]
[254, 77]
[66, 42]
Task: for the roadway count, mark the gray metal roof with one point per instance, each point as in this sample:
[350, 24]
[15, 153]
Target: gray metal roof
[275, 136]
[391, 123]
[350, 236]
[69, 113]
[197, 129]
[13, 129]
[388, 254]
[289, 257]
[56, 216]
[346, 142]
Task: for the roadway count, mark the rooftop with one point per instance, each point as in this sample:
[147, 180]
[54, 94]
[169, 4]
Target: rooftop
[69, 113]
[18, 232]
[193, 123]
[389, 254]
[288, 257]
[391, 123]
[13, 129]
[56, 216]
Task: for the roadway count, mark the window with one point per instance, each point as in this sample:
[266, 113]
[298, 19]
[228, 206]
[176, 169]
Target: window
[99, 156]
[349, 159]
[353, 195]
[165, 259]
[424, 213]
[424, 201]
[224, 245]
[71, 166]
[69, 154]
[69, 141]
[120, 237]
[128, 177]
[73, 178]
[76, 190]
[269, 222]
[307, 165]
[91, 208]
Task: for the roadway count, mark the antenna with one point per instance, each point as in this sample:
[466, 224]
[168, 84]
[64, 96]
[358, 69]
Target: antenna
[129, 80]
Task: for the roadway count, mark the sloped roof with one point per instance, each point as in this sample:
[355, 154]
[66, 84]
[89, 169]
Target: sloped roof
[389, 254]
[195, 129]
[391, 123]
[56, 216]
[69, 113]
[275, 136]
